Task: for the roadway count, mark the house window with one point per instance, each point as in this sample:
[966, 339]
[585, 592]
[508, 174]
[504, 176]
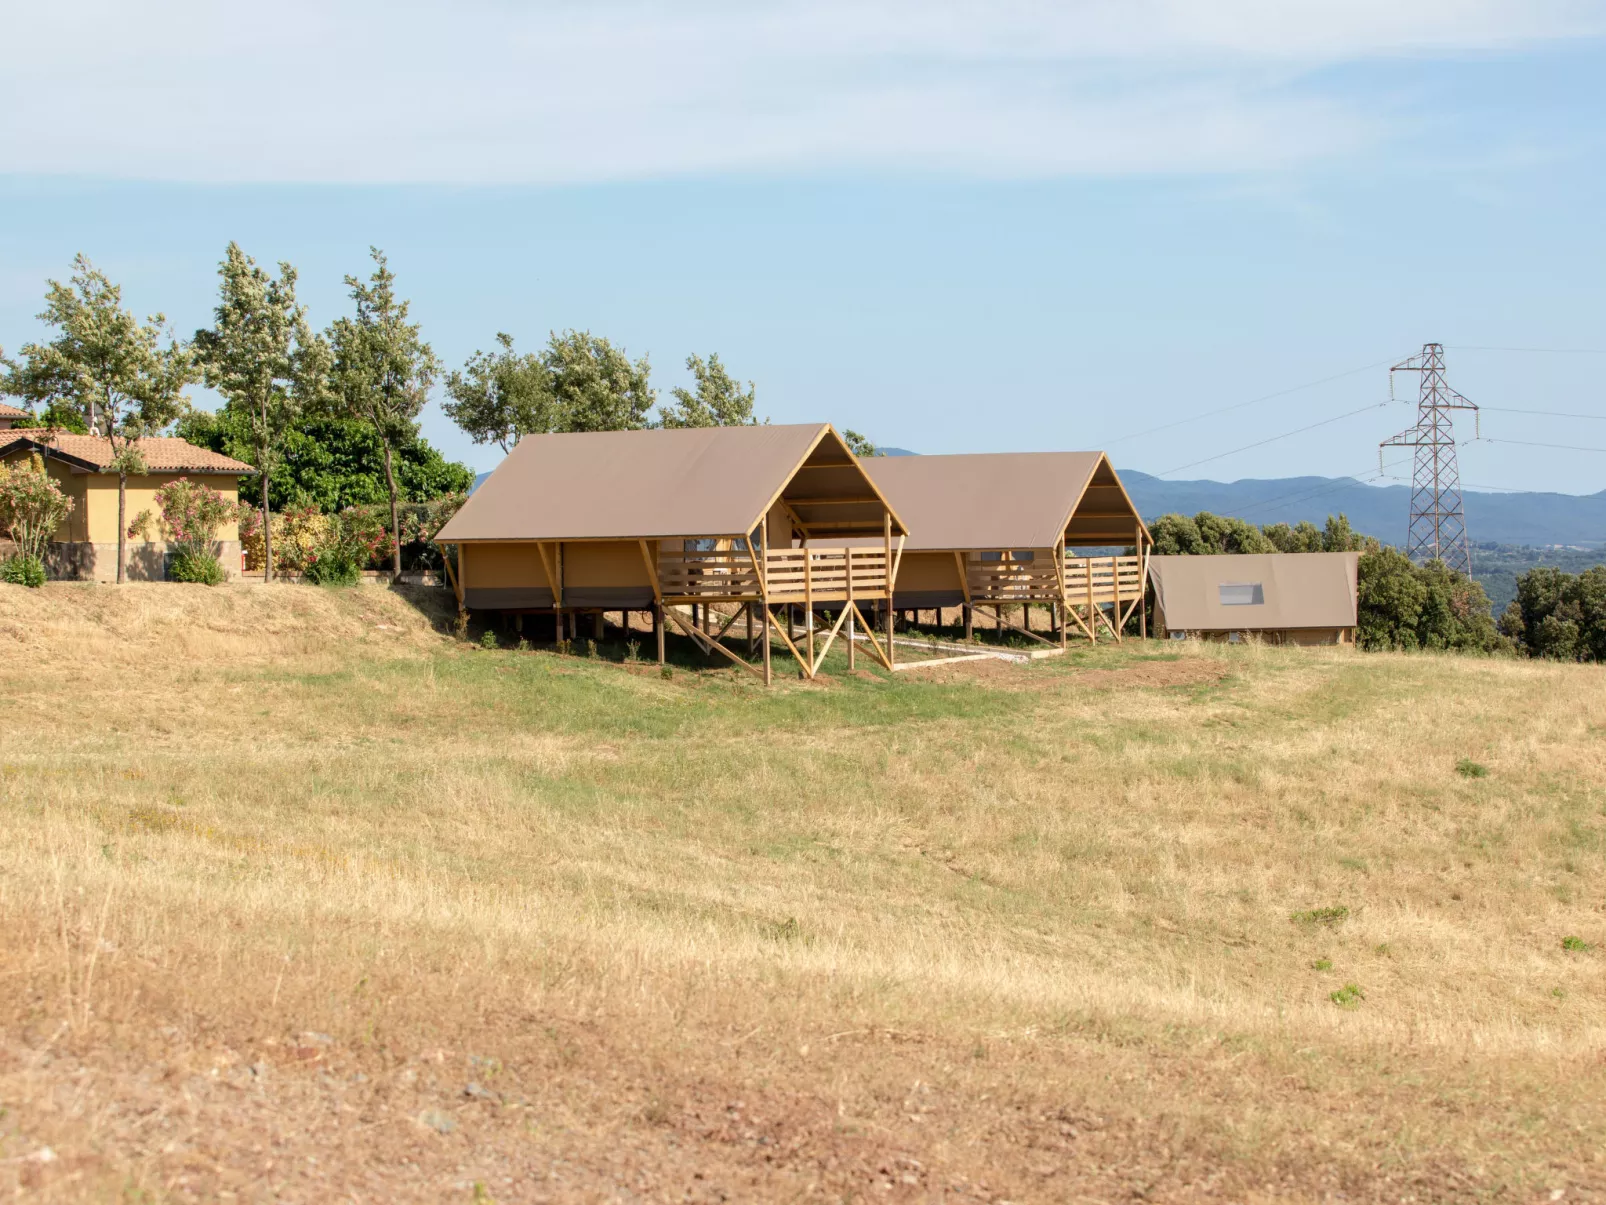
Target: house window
[1241, 594]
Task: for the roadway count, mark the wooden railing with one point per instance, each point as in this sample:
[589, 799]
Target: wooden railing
[722, 574]
[1111, 578]
[1103, 579]
[1013, 581]
[798, 575]
[795, 575]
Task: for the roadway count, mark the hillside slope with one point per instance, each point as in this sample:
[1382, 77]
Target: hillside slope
[305, 901]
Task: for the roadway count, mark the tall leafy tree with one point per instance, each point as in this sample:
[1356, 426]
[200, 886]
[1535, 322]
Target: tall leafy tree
[719, 401]
[858, 444]
[595, 385]
[263, 358]
[110, 368]
[499, 397]
[382, 371]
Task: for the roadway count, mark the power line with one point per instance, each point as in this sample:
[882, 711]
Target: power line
[1525, 443]
[1252, 401]
[1273, 439]
[1546, 413]
[1536, 351]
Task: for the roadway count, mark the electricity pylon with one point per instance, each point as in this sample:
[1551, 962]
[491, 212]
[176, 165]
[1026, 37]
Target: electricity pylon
[1438, 523]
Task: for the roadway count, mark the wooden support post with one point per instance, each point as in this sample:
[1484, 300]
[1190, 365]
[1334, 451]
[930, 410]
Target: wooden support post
[1092, 618]
[1115, 584]
[850, 607]
[751, 648]
[658, 628]
[970, 622]
[808, 601]
[886, 538]
[1143, 586]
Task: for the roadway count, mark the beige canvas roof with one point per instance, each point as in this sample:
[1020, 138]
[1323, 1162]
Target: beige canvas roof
[705, 481]
[1299, 590]
[93, 453]
[1006, 499]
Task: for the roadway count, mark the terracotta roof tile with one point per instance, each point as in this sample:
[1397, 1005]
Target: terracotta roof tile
[163, 454]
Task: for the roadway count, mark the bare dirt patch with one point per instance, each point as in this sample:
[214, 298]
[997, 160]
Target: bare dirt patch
[1188, 671]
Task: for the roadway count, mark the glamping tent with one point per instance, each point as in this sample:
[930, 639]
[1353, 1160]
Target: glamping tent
[1283, 598]
[995, 530]
[676, 522]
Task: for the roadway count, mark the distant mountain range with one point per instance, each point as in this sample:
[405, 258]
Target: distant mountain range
[1533, 519]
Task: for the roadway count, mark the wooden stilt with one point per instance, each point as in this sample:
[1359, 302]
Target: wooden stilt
[849, 610]
[765, 623]
[808, 603]
[658, 628]
[892, 584]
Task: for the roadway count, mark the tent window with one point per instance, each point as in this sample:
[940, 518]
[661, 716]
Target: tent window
[1018, 555]
[704, 545]
[1241, 594]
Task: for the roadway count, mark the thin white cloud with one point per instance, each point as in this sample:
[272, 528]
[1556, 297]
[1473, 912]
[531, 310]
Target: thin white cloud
[475, 93]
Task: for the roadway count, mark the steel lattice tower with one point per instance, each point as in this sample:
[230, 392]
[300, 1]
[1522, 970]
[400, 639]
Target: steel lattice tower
[1438, 523]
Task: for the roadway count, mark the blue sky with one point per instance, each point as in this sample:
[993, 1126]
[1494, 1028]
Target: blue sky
[951, 226]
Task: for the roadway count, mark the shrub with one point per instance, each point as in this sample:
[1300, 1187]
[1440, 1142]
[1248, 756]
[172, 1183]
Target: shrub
[192, 513]
[1576, 945]
[303, 536]
[488, 641]
[1468, 768]
[200, 568]
[32, 506]
[1336, 915]
[1348, 996]
[22, 570]
[332, 567]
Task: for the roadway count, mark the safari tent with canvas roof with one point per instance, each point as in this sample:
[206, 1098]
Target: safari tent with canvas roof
[1002, 529]
[1279, 597]
[700, 526]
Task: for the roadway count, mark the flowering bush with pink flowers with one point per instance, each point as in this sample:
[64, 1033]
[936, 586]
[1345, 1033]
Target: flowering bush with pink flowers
[191, 514]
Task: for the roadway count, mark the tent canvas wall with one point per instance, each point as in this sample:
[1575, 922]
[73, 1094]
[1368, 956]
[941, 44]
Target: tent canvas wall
[1288, 598]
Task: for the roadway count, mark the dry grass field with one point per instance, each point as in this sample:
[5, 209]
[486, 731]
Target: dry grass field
[303, 901]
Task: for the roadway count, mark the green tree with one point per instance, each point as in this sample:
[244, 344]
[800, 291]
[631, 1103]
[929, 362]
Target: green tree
[595, 386]
[499, 397]
[110, 369]
[720, 400]
[859, 445]
[382, 372]
[1558, 615]
[332, 462]
[265, 361]
[1408, 606]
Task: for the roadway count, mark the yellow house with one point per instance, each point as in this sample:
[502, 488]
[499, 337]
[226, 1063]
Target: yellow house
[85, 547]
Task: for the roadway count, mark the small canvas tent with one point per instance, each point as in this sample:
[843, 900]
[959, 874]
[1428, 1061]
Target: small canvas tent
[1283, 598]
[997, 529]
[673, 521]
